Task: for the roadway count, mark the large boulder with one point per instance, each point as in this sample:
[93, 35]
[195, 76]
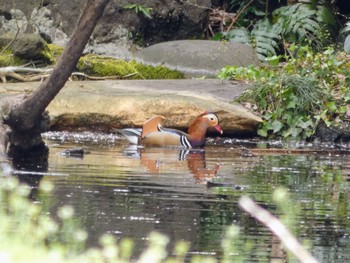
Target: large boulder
[198, 57]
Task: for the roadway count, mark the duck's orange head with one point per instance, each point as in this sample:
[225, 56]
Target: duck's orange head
[212, 120]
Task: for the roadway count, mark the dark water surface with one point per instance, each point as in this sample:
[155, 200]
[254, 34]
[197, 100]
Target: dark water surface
[130, 192]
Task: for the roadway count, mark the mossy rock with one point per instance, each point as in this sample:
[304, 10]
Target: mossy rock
[102, 66]
[99, 66]
[27, 46]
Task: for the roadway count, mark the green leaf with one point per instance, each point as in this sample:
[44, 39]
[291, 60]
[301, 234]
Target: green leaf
[295, 132]
[262, 132]
[274, 60]
[331, 106]
[347, 94]
[130, 6]
[304, 124]
[146, 11]
[276, 126]
[267, 115]
[292, 104]
[218, 36]
[342, 109]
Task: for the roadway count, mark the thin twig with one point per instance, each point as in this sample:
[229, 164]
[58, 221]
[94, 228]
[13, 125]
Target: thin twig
[276, 227]
[130, 75]
[238, 15]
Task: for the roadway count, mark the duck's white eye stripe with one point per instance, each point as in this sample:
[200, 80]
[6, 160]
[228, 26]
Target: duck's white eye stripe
[211, 117]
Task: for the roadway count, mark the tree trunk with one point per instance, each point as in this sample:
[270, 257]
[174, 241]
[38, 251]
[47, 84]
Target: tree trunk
[26, 114]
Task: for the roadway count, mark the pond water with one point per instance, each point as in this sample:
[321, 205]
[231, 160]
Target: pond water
[130, 192]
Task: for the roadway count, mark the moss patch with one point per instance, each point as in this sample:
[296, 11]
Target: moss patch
[102, 66]
[9, 59]
[56, 52]
[159, 72]
[46, 55]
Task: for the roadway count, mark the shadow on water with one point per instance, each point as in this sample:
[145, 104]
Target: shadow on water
[129, 192]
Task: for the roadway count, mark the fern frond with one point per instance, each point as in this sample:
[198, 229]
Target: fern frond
[240, 35]
[298, 21]
[265, 36]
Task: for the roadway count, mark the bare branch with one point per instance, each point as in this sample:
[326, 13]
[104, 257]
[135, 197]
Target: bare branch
[276, 227]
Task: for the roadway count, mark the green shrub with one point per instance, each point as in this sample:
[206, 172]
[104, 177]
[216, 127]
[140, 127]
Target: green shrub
[295, 96]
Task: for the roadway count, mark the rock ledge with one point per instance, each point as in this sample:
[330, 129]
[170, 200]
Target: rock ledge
[105, 105]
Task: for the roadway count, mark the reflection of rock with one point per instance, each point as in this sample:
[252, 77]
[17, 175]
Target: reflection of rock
[198, 57]
[104, 105]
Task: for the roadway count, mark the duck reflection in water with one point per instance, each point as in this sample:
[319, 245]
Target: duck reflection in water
[156, 160]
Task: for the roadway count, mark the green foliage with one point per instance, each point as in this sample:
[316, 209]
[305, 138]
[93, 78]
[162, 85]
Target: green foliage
[28, 233]
[294, 97]
[269, 33]
[146, 11]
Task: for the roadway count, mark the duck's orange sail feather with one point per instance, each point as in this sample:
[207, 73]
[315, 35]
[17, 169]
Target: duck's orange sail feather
[152, 125]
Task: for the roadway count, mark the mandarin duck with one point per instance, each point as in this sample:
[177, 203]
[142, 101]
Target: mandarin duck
[154, 134]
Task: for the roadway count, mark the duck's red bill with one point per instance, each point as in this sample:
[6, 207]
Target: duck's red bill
[218, 128]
